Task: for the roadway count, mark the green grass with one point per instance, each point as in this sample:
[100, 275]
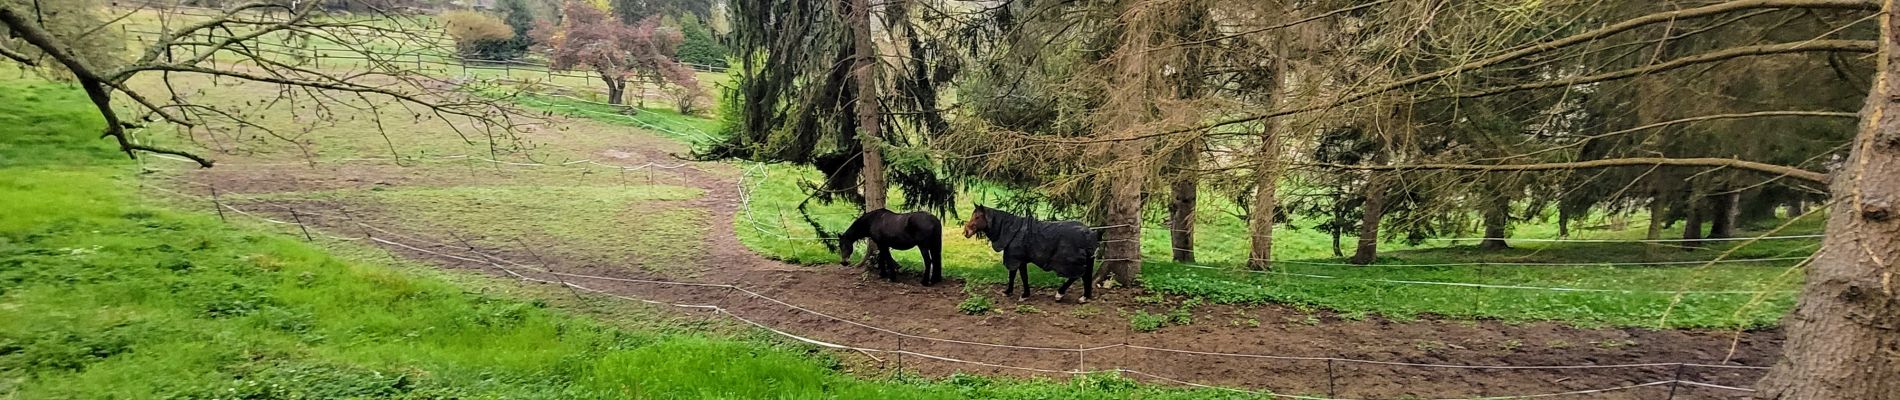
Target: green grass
[105, 295]
[773, 226]
[633, 225]
[664, 121]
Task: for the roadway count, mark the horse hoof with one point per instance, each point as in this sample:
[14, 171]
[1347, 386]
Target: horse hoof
[1084, 300]
[1022, 300]
[1058, 298]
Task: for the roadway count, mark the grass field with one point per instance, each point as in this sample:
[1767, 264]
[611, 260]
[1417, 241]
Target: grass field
[772, 226]
[105, 293]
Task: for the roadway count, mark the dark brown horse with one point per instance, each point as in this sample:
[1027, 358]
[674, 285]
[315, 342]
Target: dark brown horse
[888, 230]
[1064, 247]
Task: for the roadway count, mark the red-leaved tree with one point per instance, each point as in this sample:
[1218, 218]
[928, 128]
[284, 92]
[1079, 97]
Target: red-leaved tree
[640, 53]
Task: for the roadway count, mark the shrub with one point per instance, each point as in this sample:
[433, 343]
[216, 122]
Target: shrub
[975, 305]
[479, 35]
[1142, 321]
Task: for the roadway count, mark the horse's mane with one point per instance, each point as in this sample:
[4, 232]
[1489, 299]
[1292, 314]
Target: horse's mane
[861, 227]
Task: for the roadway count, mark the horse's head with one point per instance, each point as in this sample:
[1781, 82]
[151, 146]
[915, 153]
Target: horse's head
[979, 222]
[844, 253]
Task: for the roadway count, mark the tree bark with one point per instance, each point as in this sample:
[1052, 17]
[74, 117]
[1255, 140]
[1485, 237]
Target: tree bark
[616, 89]
[1368, 250]
[1563, 223]
[1844, 334]
[1267, 174]
[1658, 212]
[1497, 216]
[869, 131]
[1265, 199]
[1692, 223]
[1186, 188]
[1722, 212]
[1121, 235]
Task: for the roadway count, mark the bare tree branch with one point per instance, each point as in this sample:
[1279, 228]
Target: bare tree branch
[1853, 46]
[1528, 50]
[97, 89]
[1791, 172]
[16, 56]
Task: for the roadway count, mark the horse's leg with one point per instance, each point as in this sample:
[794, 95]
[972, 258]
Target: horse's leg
[1064, 289]
[924, 277]
[1025, 296]
[1088, 274]
[889, 264]
[933, 264]
[1011, 286]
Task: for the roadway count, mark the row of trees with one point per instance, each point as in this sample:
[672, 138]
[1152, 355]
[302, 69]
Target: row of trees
[1385, 120]
[1073, 106]
[1413, 115]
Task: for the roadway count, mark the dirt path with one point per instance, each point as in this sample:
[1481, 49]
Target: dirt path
[912, 309]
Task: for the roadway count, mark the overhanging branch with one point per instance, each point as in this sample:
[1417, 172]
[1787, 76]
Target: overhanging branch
[17, 56]
[1780, 170]
[1528, 50]
[1855, 46]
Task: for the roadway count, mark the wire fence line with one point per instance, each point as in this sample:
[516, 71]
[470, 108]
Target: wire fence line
[503, 264]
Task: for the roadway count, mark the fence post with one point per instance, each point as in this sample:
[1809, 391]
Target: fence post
[1673, 383]
[1330, 377]
[218, 205]
[299, 219]
[1079, 351]
[900, 357]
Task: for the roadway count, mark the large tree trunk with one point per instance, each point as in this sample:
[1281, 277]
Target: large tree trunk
[1265, 199]
[1497, 215]
[1186, 188]
[1657, 213]
[869, 136]
[1267, 174]
[1368, 250]
[1563, 223]
[1121, 236]
[1692, 223]
[1844, 334]
[616, 89]
[1722, 212]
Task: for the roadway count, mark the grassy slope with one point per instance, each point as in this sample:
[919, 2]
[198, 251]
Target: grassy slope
[771, 224]
[774, 228]
[104, 297]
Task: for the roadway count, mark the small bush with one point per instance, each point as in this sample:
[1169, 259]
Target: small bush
[477, 34]
[975, 305]
[1142, 321]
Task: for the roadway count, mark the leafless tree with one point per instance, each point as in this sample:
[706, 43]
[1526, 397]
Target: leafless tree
[276, 42]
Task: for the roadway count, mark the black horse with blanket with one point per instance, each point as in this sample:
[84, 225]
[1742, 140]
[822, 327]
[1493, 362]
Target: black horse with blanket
[888, 230]
[1064, 247]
